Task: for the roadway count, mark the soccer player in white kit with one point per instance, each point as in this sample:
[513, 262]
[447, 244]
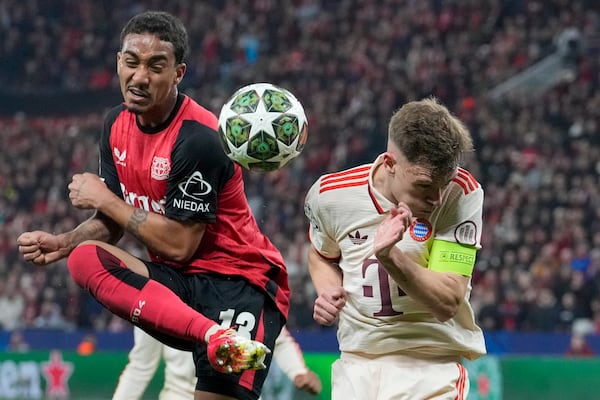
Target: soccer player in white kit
[393, 250]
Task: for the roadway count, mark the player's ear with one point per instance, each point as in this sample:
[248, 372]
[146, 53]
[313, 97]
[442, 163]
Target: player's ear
[179, 73]
[389, 162]
[118, 61]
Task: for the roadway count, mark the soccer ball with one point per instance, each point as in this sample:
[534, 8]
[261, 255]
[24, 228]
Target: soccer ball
[262, 127]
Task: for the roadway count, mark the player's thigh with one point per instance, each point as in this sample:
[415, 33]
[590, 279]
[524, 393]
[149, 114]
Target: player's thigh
[233, 302]
[388, 380]
[133, 263]
[177, 282]
[425, 380]
[353, 380]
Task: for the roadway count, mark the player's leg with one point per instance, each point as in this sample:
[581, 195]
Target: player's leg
[120, 282]
[353, 378]
[144, 358]
[395, 376]
[156, 301]
[443, 381]
[234, 303]
[180, 375]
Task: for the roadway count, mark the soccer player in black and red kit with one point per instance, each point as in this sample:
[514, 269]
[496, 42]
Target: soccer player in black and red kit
[165, 179]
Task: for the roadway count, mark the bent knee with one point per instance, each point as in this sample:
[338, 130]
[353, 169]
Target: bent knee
[89, 259]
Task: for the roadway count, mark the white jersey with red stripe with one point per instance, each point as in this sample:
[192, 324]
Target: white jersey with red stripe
[345, 210]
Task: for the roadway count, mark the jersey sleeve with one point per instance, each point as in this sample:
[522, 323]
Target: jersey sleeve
[462, 221]
[288, 356]
[320, 230]
[107, 169]
[200, 170]
[458, 235]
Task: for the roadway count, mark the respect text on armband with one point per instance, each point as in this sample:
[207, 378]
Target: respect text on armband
[458, 257]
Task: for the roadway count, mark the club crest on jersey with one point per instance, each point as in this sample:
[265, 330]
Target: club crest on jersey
[160, 168]
[357, 238]
[420, 230]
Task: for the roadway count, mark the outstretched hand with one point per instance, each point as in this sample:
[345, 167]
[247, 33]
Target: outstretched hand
[391, 230]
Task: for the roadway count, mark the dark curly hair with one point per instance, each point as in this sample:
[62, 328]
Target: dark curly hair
[163, 25]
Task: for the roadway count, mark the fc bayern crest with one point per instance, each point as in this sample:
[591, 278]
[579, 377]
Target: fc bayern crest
[420, 230]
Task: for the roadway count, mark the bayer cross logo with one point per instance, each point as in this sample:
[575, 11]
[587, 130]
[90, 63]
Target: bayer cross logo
[161, 167]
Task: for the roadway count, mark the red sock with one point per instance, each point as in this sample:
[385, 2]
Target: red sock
[159, 308]
[133, 297]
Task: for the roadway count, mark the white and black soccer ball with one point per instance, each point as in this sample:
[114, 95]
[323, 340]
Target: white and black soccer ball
[262, 127]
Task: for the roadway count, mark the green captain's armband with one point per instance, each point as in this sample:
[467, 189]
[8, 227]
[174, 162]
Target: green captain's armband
[452, 257]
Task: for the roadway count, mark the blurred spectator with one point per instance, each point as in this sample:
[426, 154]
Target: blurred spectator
[570, 310]
[12, 303]
[510, 311]
[50, 317]
[17, 342]
[488, 314]
[579, 347]
[543, 314]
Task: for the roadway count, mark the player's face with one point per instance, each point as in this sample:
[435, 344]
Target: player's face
[416, 185]
[148, 75]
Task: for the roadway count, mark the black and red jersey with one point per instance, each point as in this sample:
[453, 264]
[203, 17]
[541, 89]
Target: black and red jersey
[179, 170]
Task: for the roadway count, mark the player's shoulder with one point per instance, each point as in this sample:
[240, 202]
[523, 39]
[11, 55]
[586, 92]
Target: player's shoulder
[113, 113]
[198, 128]
[465, 182]
[193, 111]
[339, 183]
[349, 187]
[198, 138]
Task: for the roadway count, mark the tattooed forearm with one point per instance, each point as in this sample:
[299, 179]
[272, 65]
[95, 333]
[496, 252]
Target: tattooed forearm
[138, 217]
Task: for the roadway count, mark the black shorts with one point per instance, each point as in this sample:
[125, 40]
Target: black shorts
[229, 301]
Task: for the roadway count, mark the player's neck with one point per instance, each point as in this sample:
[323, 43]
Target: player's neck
[380, 182]
[159, 114]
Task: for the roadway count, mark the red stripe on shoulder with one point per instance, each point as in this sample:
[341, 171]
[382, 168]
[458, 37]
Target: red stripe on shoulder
[465, 180]
[352, 177]
[347, 174]
[343, 185]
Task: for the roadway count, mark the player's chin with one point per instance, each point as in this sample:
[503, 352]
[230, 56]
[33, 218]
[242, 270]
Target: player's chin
[135, 108]
[137, 105]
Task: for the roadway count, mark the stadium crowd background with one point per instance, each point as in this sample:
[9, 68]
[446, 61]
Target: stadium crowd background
[351, 63]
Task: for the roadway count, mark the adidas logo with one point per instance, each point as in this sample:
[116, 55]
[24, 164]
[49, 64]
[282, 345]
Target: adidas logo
[357, 239]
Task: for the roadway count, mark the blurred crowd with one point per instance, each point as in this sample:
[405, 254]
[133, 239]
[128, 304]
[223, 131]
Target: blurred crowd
[351, 63]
